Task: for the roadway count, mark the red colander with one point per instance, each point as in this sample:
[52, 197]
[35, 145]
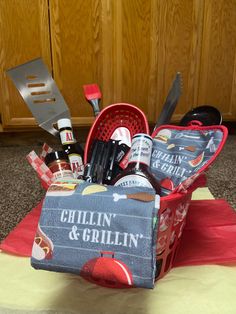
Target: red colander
[113, 117]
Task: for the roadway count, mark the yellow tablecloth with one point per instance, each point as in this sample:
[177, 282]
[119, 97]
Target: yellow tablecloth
[190, 290]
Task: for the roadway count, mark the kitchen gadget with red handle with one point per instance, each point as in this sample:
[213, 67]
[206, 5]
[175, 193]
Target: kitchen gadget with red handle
[93, 95]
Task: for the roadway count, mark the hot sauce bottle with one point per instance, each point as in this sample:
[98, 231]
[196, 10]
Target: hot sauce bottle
[138, 173]
[71, 147]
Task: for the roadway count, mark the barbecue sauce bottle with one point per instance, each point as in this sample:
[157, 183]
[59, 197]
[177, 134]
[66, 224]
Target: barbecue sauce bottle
[71, 147]
[137, 173]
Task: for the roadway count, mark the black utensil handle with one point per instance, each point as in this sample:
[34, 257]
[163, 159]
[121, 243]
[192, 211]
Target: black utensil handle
[89, 168]
[110, 171]
[95, 104]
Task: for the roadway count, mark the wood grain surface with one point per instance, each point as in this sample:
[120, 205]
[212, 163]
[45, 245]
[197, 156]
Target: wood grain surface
[217, 70]
[180, 48]
[131, 48]
[76, 34]
[24, 36]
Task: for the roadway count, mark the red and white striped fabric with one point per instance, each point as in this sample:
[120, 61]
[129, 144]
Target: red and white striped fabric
[42, 170]
[46, 149]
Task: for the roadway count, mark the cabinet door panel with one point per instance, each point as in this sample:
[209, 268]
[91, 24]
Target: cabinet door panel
[179, 50]
[132, 49]
[155, 40]
[76, 51]
[107, 42]
[218, 69]
[24, 36]
[133, 30]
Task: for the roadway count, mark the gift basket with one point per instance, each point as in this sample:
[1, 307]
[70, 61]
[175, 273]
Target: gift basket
[115, 212]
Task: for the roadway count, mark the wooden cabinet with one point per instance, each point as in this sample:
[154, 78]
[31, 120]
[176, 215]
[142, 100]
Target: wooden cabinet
[131, 48]
[77, 52]
[24, 36]
[179, 49]
[217, 80]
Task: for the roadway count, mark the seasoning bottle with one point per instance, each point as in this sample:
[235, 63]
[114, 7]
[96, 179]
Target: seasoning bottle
[137, 173]
[59, 165]
[71, 147]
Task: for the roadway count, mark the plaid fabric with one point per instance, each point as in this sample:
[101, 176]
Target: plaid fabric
[39, 166]
[45, 150]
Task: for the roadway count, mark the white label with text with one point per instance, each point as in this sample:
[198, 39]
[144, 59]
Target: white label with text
[133, 180]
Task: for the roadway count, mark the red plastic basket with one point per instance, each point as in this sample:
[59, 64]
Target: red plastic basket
[172, 218]
[113, 117]
[173, 208]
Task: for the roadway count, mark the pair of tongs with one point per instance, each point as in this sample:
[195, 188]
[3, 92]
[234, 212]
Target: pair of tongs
[101, 165]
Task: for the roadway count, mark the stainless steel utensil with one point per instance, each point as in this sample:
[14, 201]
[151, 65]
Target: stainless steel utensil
[171, 102]
[41, 94]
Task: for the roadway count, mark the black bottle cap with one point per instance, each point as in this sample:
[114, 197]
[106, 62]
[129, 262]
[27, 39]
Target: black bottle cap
[57, 155]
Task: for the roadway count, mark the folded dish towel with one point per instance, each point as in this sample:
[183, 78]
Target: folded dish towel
[106, 234]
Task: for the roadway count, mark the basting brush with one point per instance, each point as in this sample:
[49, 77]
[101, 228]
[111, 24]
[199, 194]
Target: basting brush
[93, 95]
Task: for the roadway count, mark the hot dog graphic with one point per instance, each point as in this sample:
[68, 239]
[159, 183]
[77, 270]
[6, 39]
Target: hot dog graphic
[42, 246]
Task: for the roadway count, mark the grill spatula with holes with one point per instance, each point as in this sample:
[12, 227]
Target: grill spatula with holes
[41, 94]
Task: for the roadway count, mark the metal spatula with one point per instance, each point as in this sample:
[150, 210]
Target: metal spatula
[41, 94]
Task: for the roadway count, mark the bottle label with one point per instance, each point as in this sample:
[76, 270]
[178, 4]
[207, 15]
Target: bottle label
[133, 180]
[76, 164]
[63, 174]
[61, 170]
[67, 137]
[141, 149]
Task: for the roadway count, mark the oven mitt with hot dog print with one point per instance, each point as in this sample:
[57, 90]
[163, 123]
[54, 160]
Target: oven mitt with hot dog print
[181, 154]
[106, 234]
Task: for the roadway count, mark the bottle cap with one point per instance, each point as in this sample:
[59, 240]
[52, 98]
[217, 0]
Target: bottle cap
[64, 123]
[57, 155]
[143, 135]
